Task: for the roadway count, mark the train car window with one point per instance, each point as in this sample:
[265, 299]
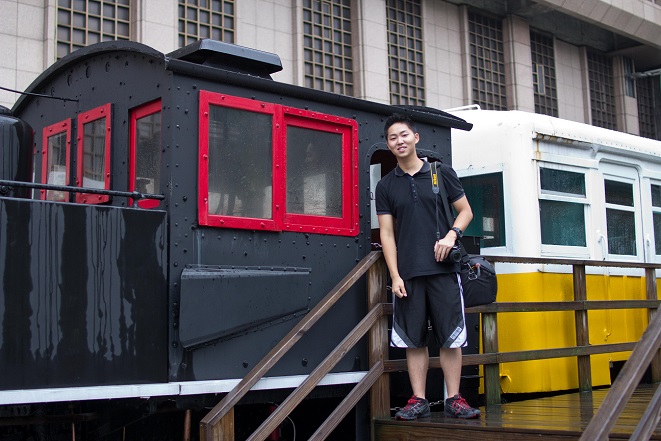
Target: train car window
[145, 152]
[236, 162]
[656, 217]
[485, 194]
[620, 217]
[562, 207]
[270, 167]
[56, 159]
[93, 160]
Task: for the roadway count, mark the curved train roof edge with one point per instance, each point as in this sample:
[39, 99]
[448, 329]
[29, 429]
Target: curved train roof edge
[82, 54]
[201, 59]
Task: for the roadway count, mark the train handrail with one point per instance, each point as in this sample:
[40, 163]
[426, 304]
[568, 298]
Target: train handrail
[135, 195]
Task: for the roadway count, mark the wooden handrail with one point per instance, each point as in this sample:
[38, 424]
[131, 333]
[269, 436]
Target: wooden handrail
[218, 424]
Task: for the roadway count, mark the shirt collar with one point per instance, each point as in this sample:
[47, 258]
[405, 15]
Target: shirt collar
[424, 169]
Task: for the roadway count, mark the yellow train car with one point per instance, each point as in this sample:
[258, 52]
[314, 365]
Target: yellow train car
[546, 187]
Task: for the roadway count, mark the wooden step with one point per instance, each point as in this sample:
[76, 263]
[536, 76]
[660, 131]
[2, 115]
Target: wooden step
[561, 417]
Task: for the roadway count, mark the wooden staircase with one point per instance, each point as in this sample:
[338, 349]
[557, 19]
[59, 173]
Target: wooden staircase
[603, 419]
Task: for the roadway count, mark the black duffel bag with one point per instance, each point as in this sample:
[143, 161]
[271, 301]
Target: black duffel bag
[478, 280]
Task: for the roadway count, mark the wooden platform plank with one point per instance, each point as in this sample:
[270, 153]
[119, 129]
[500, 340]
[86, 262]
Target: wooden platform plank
[560, 417]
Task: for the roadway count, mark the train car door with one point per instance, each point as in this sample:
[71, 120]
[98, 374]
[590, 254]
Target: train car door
[623, 233]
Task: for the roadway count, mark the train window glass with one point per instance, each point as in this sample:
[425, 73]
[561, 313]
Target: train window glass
[485, 194]
[56, 159]
[93, 167]
[269, 167]
[620, 218]
[656, 217]
[145, 152]
[314, 172]
[236, 162]
[562, 207]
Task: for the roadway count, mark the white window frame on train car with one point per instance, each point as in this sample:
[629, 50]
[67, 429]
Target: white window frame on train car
[282, 118]
[629, 175]
[654, 253]
[573, 198]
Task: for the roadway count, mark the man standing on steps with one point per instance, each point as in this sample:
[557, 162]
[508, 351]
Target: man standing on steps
[425, 285]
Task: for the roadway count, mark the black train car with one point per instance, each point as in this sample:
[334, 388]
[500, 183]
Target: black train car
[265, 206]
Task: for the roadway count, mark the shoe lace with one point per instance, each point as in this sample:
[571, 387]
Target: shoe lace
[460, 403]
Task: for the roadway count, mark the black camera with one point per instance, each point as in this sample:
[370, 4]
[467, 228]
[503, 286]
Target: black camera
[454, 255]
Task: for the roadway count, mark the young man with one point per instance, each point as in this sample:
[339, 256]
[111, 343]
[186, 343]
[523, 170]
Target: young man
[425, 285]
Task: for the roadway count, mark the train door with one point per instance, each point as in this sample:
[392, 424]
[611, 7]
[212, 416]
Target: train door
[622, 216]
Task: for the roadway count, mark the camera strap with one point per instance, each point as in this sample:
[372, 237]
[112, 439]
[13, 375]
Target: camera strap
[438, 188]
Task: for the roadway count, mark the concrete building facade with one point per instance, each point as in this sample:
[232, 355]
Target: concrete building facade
[593, 61]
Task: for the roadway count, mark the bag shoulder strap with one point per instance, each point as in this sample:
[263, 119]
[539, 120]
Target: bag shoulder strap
[439, 188]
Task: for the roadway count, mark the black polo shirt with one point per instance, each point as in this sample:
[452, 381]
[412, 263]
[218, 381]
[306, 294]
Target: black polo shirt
[411, 202]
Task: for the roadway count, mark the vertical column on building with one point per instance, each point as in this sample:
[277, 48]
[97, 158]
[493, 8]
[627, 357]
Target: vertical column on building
[518, 64]
[370, 50]
[626, 106]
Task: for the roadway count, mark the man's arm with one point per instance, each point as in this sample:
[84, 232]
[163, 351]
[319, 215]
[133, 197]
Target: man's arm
[387, 231]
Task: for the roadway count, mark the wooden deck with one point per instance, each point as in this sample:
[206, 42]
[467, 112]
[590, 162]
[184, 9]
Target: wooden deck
[562, 417]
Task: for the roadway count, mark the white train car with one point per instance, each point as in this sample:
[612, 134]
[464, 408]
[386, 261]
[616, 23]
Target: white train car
[546, 187]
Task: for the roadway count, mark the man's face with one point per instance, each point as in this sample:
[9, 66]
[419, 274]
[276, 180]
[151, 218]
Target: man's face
[401, 140]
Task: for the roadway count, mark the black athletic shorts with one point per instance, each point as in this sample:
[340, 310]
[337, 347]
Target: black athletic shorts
[434, 300]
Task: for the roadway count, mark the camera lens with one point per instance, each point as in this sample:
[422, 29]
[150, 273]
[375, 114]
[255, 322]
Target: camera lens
[454, 255]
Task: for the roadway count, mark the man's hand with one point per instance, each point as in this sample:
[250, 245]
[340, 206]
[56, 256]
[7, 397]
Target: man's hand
[443, 246]
[398, 287]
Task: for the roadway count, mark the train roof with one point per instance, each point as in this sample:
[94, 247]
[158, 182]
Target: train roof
[232, 64]
[488, 123]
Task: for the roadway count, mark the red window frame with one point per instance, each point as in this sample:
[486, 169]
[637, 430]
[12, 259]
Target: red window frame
[47, 133]
[86, 118]
[282, 117]
[208, 99]
[137, 113]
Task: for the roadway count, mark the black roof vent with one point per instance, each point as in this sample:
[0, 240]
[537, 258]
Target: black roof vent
[230, 57]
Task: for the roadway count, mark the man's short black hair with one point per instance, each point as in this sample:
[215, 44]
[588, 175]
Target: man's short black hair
[398, 118]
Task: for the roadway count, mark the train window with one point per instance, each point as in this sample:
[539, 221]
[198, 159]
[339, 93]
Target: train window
[270, 167]
[656, 217]
[620, 217]
[56, 159]
[485, 194]
[145, 152]
[93, 168]
[562, 207]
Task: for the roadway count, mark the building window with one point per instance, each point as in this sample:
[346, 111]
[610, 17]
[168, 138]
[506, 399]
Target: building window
[56, 159]
[602, 91]
[562, 202]
[620, 217]
[656, 217]
[405, 55]
[84, 22]
[328, 63]
[206, 19]
[145, 152]
[93, 160]
[292, 170]
[648, 123]
[543, 74]
[485, 193]
[487, 62]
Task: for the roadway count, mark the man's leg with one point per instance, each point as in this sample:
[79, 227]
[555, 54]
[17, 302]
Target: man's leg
[451, 366]
[417, 361]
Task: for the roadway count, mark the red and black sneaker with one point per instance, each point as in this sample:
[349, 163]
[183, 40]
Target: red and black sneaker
[415, 408]
[458, 407]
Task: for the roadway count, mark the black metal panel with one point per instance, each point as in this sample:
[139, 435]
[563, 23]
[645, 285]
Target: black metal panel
[83, 298]
[217, 303]
[15, 152]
